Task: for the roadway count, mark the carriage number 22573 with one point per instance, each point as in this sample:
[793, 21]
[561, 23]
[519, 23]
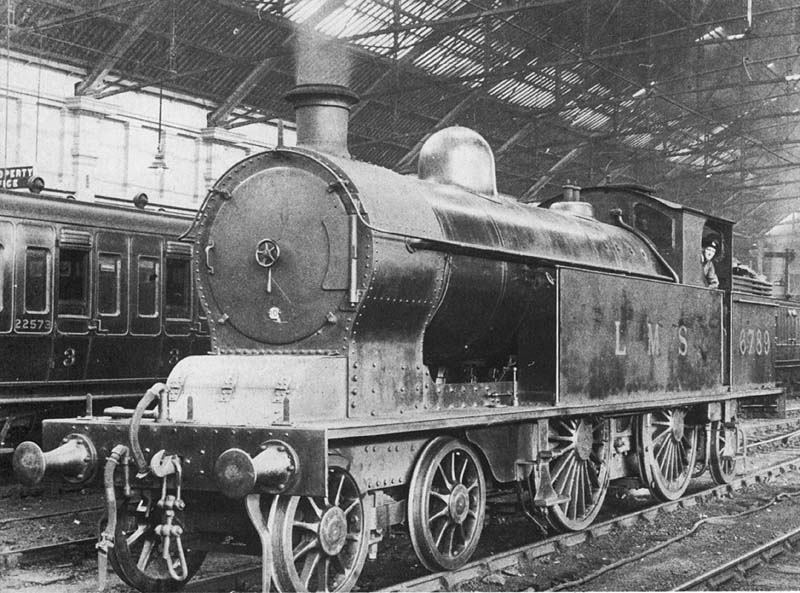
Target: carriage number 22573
[33, 325]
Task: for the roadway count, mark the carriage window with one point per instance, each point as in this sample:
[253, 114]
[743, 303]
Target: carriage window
[656, 225]
[149, 272]
[108, 288]
[73, 282]
[178, 297]
[37, 280]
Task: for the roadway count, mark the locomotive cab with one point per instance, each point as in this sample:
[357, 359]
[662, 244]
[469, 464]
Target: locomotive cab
[677, 232]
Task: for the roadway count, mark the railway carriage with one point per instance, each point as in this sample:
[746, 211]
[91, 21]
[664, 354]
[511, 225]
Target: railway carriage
[385, 348]
[94, 299]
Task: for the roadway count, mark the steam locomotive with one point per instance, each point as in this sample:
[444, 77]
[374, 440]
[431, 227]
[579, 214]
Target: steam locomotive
[96, 300]
[387, 347]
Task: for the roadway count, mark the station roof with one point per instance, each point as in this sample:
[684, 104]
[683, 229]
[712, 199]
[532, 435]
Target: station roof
[697, 99]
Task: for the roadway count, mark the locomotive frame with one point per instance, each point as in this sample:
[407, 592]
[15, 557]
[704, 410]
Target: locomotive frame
[385, 348]
[76, 318]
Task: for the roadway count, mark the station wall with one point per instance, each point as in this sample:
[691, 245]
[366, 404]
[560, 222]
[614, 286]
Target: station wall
[107, 147]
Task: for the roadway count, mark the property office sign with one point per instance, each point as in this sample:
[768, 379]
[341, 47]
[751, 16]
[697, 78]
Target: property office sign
[15, 177]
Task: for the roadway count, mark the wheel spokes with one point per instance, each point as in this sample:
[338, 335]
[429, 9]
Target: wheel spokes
[463, 471]
[447, 483]
[319, 543]
[323, 574]
[667, 450]
[309, 567]
[578, 470]
[663, 435]
[438, 539]
[145, 553]
[141, 529]
[451, 457]
[446, 504]
[338, 496]
[303, 548]
[312, 527]
[353, 506]
[316, 507]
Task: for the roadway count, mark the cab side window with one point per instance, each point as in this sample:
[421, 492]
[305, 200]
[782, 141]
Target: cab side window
[656, 225]
[178, 288]
[37, 280]
[73, 282]
[149, 279]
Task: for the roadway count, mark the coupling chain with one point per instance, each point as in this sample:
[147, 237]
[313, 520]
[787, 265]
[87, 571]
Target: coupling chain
[169, 504]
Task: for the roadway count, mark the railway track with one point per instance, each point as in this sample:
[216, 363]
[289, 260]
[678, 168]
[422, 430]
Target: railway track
[52, 515]
[711, 577]
[752, 561]
[44, 552]
[248, 577]
[448, 581]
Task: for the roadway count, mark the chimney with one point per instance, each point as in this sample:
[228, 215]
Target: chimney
[322, 113]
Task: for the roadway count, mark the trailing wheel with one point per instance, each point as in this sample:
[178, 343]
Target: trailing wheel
[447, 504]
[138, 555]
[319, 543]
[667, 452]
[723, 469]
[578, 470]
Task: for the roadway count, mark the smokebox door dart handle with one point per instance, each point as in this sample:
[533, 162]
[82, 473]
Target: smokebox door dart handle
[267, 254]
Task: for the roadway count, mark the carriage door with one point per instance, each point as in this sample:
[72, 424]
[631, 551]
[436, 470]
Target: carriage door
[6, 276]
[145, 304]
[110, 357]
[73, 281]
[33, 302]
[8, 349]
[177, 303]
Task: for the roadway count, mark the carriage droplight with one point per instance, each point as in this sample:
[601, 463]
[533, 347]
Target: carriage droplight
[273, 470]
[75, 460]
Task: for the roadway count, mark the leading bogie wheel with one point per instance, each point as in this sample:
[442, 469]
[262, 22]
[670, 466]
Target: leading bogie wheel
[447, 504]
[722, 467]
[667, 451]
[578, 470]
[137, 555]
[319, 543]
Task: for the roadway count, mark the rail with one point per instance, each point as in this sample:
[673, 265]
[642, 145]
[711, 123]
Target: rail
[448, 581]
[752, 558]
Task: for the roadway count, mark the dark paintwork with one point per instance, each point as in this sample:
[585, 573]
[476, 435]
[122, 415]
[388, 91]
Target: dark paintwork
[62, 358]
[424, 292]
[753, 337]
[200, 446]
[641, 340]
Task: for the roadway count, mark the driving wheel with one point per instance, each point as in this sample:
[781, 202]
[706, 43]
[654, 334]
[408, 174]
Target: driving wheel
[578, 470]
[447, 504]
[667, 448]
